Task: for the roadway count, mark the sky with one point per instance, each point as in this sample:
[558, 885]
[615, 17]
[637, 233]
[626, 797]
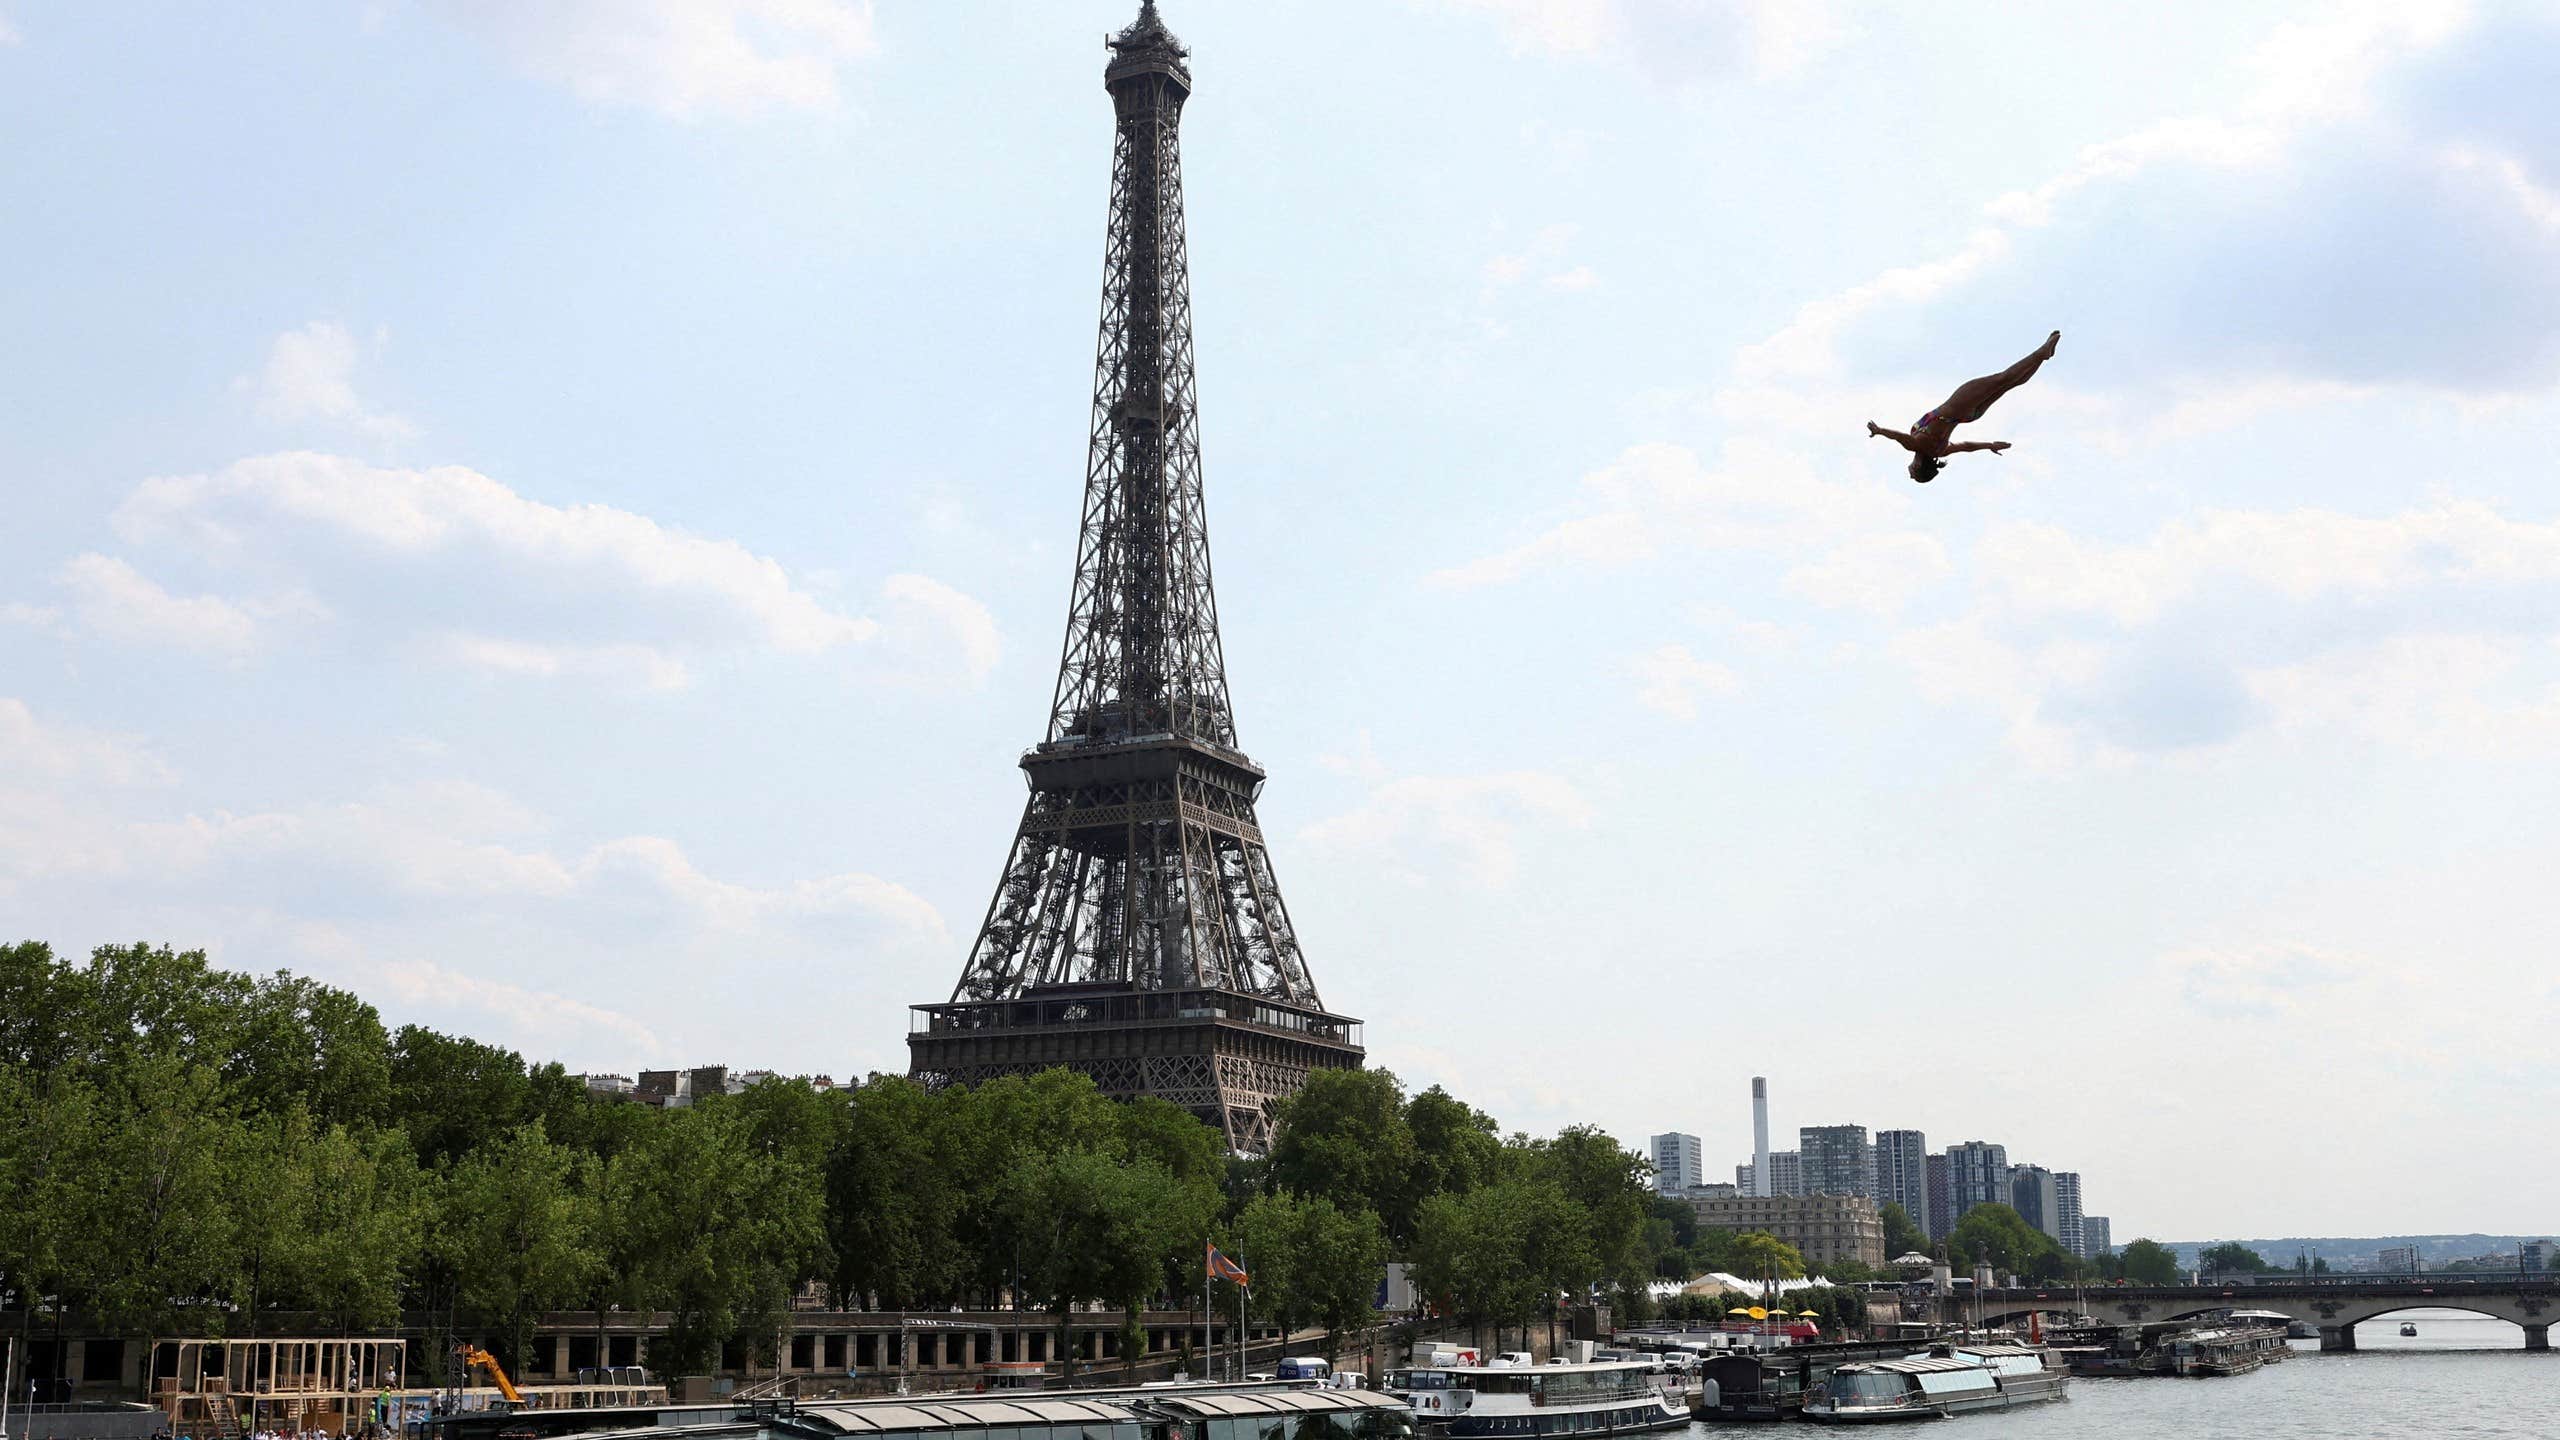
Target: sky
[557, 517]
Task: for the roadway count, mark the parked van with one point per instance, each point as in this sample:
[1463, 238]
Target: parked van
[1304, 1367]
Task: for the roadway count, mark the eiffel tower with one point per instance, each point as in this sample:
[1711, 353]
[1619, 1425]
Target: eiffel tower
[1138, 934]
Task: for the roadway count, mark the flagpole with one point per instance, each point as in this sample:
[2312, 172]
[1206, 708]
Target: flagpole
[1208, 1352]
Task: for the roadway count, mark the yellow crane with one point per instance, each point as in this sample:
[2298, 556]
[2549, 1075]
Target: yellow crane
[473, 1355]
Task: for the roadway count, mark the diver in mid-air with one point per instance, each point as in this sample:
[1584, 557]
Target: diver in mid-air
[1931, 439]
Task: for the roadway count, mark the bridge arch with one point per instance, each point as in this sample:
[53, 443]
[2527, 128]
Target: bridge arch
[2397, 1308]
[2010, 1310]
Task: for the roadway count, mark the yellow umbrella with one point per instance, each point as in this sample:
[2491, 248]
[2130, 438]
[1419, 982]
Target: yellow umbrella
[1756, 1313]
[1807, 1315]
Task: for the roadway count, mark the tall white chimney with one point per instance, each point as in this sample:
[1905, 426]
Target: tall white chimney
[1760, 1176]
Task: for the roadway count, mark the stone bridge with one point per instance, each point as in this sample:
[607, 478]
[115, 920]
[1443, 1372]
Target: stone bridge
[2332, 1304]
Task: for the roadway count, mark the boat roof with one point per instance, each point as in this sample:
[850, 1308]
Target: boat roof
[1277, 1402]
[923, 1413]
[1923, 1365]
[1531, 1369]
[1997, 1349]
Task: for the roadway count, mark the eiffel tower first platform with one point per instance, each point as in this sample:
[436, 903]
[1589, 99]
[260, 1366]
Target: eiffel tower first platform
[1138, 934]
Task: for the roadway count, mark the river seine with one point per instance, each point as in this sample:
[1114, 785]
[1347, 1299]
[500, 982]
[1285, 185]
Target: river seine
[2439, 1385]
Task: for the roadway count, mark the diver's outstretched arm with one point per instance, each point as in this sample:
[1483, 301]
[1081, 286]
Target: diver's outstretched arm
[1994, 446]
[1895, 436]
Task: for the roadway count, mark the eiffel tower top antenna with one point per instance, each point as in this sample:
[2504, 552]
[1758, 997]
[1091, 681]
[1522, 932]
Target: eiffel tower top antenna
[1138, 891]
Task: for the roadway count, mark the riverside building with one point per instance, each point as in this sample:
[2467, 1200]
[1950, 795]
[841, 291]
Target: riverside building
[1825, 1228]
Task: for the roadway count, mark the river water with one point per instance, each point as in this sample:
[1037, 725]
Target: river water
[2443, 1384]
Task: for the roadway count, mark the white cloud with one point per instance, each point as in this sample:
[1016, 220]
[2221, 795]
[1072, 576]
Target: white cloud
[1542, 259]
[1474, 821]
[2300, 555]
[310, 375]
[623, 664]
[940, 625]
[544, 1022]
[2461, 695]
[407, 513]
[683, 58]
[119, 602]
[1879, 573]
[1808, 346]
[9, 33]
[2540, 204]
[498, 581]
[1677, 41]
[2319, 78]
[1671, 681]
[1662, 499]
[450, 841]
[32, 752]
[2425, 629]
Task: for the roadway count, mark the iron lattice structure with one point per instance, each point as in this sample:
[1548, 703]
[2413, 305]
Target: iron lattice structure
[1138, 933]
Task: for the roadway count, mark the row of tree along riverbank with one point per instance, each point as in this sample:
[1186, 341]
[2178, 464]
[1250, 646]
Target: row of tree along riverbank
[186, 1150]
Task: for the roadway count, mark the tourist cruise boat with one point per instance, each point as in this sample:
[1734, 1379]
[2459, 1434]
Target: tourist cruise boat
[1497, 1402]
[1928, 1387]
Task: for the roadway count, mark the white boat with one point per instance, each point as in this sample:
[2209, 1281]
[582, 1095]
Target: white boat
[1927, 1387]
[1513, 1402]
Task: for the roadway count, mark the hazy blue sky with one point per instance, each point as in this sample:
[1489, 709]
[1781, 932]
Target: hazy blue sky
[557, 516]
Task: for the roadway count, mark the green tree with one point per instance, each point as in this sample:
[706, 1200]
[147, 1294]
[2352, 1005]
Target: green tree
[1094, 1226]
[2232, 1258]
[2148, 1262]
[44, 1009]
[1604, 1186]
[451, 1095]
[890, 1198]
[152, 1002]
[48, 1140]
[515, 1223]
[153, 1225]
[1469, 1252]
[1757, 1254]
[299, 1042]
[1456, 1148]
[1558, 1248]
[1343, 1136]
[1999, 1235]
[1901, 1236]
[990, 1130]
[268, 1188]
[366, 1222]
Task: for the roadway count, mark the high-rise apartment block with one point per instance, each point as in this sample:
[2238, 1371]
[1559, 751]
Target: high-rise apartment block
[1977, 1174]
[1679, 1163]
[2036, 1198]
[1837, 1160]
[2096, 1232]
[1902, 1174]
[2071, 1225]
[1786, 1175]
